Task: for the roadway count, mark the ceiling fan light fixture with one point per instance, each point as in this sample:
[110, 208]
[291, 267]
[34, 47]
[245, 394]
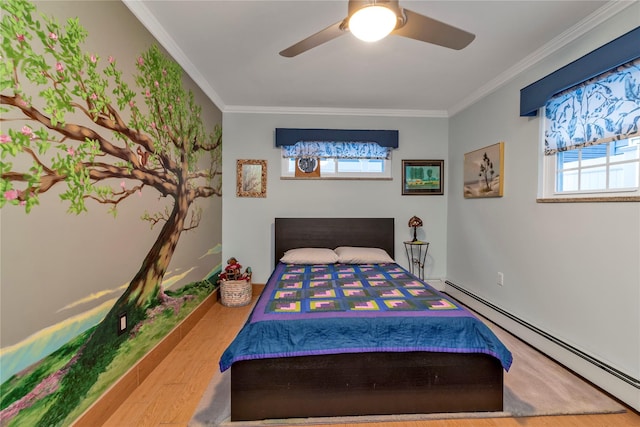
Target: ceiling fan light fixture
[372, 23]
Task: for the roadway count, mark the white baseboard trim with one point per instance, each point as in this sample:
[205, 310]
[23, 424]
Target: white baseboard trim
[616, 383]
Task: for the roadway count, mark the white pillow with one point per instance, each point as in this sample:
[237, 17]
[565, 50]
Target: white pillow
[309, 256]
[357, 255]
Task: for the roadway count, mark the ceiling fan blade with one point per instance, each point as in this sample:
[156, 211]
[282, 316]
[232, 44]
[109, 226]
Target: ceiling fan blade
[314, 40]
[423, 28]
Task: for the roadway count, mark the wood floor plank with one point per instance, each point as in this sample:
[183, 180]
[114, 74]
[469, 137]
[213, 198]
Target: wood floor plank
[172, 391]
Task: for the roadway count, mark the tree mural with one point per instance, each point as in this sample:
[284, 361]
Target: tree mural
[84, 129]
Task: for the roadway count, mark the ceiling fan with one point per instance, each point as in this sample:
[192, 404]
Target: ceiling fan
[400, 22]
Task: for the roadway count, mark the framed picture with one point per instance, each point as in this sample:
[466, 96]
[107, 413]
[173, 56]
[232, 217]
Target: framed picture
[422, 177]
[251, 178]
[484, 172]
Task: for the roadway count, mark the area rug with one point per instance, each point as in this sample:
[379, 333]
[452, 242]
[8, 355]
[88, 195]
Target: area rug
[534, 386]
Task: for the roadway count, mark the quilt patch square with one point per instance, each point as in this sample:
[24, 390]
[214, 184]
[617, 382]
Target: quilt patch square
[350, 284]
[376, 283]
[420, 293]
[346, 275]
[325, 305]
[389, 293]
[287, 295]
[355, 293]
[321, 293]
[413, 284]
[400, 304]
[320, 284]
[439, 304]
[290, 285]
[364, 305]
[286, 307]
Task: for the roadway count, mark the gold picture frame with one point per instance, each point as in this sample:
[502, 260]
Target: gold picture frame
[251, 178]
[484, 172]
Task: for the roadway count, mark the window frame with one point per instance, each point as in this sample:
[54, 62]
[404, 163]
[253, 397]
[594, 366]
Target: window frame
[549, 172]
[385, 175]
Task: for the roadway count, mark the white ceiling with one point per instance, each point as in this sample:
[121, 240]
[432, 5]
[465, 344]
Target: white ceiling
[230, 48]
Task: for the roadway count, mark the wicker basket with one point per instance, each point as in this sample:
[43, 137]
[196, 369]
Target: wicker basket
[235, 293]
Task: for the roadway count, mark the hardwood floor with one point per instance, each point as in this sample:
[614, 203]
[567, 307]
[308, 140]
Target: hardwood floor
[170, 394]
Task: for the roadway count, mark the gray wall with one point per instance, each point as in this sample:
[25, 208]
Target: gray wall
[570, 269]
[248, 222]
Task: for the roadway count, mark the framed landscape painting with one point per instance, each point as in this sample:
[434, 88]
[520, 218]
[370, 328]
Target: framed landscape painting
[484, 172]
[422, 177]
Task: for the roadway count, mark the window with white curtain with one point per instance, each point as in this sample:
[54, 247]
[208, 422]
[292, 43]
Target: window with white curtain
[591, 137]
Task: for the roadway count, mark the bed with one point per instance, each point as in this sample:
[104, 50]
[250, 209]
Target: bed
[354, 374]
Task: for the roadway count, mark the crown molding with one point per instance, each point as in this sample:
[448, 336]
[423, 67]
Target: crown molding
[607, 11]
[335, 111]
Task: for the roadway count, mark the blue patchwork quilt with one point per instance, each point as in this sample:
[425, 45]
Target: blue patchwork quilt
[347, 308]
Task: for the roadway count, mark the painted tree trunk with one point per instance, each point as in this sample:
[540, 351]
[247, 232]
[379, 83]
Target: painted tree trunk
[146, 286]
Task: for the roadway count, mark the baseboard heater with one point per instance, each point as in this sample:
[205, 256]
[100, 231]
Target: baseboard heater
[609, 369]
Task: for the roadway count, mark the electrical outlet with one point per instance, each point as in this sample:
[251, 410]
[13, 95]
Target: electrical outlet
[500, 279]
[122, 323]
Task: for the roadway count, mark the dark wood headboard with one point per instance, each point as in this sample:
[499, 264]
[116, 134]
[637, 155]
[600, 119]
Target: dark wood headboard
[291, 233]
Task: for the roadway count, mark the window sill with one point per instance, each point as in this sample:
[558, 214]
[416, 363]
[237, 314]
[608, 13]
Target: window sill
[589, 199]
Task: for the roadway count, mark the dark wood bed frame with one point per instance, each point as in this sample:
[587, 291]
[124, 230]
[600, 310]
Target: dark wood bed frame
[366, 383]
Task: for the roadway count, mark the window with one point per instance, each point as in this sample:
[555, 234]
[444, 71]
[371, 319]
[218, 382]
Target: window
[336, 160]
[591, 138]
[344, 168]
[604, 168]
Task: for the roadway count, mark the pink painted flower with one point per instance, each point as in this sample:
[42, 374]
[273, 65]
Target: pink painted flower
[53, 36]
[153, 125]
[140, 61]
[132, 104]
[156, 84]
[147, 93]
[111, 59]
[123, 185]
[23, 202]
[164, 72]
[71, 151]
[4, 138]
[59, 67]
[20, 37]
[170, 107]
[26, 130]
[139, 193]
[11, 194]
[94, 59]
[94, 96]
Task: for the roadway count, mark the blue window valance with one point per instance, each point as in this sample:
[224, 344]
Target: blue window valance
[337, 143]
[338, 150]
[613, 54]
[597, 111]
[384, 138]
